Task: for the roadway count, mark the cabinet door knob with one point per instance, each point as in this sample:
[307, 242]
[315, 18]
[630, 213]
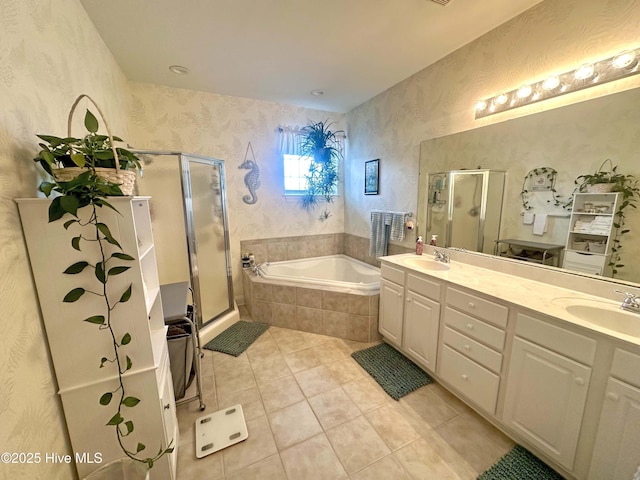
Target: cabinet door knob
[467, 347]
[167, 406]
[579, 381]
[472, 305]
[469, 326]
[612, 396]
[464, 377]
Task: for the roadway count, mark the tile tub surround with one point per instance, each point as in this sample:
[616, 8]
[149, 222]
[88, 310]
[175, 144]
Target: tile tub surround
[293, 248]
[313, 412]
[341, 315]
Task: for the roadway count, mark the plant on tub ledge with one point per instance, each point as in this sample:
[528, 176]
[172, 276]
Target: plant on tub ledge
[80, 198]
[324, 147]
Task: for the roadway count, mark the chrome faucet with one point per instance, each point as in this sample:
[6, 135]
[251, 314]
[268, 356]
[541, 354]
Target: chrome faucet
[441, 256]
[257, 268]
[631, 303]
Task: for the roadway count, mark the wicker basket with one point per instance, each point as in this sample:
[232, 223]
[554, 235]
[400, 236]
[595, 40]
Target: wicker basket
[600, 188]
[126, 179]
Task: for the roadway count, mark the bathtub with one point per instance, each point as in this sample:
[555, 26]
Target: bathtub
[337, 273]
[334, 295]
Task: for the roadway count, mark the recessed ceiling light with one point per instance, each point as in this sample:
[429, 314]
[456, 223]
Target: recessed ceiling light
[317, 93]
[179, 69]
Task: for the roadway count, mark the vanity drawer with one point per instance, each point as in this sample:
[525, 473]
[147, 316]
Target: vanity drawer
[626, 367]
[424, 287]
[479, 307]
[392, 274]
[570, 344]
[474, 328]
[475, 351]
[473, 381]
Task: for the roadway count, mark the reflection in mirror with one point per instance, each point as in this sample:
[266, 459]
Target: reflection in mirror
[573, 140]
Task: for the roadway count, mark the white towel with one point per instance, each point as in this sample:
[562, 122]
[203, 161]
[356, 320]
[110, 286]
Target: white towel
[527, 218]
[540, 224]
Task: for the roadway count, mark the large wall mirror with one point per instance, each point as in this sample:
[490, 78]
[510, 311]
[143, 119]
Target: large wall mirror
[573, 140]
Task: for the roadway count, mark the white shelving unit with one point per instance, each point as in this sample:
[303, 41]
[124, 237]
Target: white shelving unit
[77, 346]
[591, 233]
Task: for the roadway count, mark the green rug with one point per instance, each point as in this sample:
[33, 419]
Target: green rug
[237, 338]
[395, 373]
[519, 464]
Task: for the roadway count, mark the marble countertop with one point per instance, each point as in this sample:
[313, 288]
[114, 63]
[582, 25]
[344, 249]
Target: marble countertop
[537, 296]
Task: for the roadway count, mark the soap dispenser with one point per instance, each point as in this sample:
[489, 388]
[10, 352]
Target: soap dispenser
[419, 246]
[434, 240]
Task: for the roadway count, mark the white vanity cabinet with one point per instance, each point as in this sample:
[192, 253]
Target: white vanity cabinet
[547, 386]
[410, 314]
[391, 304]
[421, 320]
[617, 449]
[76, 346]
[472, 344]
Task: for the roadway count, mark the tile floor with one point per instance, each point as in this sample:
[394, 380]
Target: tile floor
[313, 413]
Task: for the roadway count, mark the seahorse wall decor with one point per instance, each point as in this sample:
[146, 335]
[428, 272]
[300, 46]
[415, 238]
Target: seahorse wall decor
[252, 178]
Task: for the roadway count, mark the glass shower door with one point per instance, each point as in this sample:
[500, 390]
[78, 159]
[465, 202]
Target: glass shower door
[208, 236]
[466, 213]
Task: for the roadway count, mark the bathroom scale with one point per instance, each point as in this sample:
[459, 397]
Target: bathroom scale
[220, 430]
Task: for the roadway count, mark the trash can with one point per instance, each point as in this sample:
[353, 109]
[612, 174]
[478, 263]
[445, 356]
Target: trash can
[120, 469]
[180, 344]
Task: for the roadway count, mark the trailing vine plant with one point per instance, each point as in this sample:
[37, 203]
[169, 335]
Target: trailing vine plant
[90, 191]
[549, 175]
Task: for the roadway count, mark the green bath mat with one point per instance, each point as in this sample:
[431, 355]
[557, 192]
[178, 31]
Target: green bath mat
[520, 464]
[237, 338]
[395, 373]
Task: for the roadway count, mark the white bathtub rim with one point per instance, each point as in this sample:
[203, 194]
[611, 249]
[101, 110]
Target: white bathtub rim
[321, 284]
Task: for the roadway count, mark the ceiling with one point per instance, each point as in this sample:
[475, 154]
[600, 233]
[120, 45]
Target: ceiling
[281, 50]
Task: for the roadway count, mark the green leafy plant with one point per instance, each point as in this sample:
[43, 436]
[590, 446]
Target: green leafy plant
[92, 151]
[550, 175]
[322, 145]
[90, 191]
[627, 185]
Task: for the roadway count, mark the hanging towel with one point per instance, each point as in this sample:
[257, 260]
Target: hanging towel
[527, 218]
[379, 235]
[397, 226]
[540, 224]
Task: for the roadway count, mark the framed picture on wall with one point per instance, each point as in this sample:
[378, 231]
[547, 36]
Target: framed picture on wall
[371, 177]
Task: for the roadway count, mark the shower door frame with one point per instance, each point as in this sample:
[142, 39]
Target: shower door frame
[187, 206]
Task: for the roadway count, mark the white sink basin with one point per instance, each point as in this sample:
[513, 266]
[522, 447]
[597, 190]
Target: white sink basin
[603, 314]
[425, 263]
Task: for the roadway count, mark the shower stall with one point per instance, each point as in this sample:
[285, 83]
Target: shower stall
[190, 227]
[464, 208]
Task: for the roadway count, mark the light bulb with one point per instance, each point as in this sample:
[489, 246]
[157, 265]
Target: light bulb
[524, 91]
[502, 99]
[584, 71]
[625, 59]
[481, 105]
[551, 83]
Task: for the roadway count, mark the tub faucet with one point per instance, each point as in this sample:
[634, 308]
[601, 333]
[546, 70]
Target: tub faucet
[257, 268]
[441, 256]
[631, 303]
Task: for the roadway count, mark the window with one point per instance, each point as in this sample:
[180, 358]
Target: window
[296, 169]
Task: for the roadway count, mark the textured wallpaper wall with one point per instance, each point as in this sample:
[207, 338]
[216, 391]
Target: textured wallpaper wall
[220, 126]
[49, 53]
[552, 37]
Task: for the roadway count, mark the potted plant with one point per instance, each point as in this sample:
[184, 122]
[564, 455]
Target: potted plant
[81, 196]
[322, 145]
[66, 158]
[605, 181]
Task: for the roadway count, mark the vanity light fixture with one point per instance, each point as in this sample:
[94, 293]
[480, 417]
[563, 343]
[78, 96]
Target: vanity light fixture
[586, 75]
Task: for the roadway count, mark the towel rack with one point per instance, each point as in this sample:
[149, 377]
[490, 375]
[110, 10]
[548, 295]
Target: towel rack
[406, 214]
[562, 215]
